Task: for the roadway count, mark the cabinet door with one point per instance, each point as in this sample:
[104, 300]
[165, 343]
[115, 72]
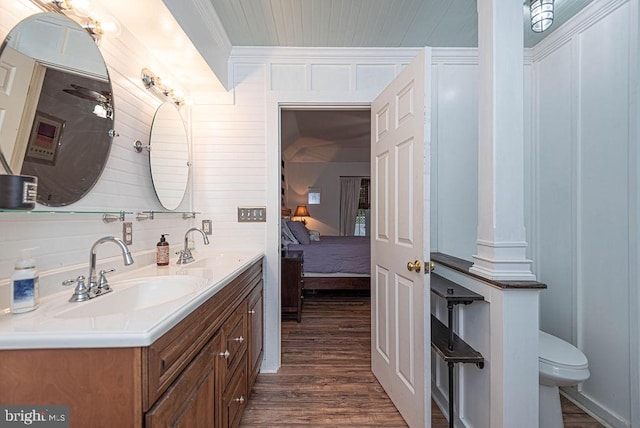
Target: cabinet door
[255, 336]
[191, 400]
[234, 397]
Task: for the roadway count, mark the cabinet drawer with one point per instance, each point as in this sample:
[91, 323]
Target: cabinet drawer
[190, 400]
[234, 396]
[167, 360]
[234, 333]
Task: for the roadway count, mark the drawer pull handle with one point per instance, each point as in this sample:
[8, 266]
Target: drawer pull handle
[240, 400]
[225, 354]
[252, 311]
[239, 339]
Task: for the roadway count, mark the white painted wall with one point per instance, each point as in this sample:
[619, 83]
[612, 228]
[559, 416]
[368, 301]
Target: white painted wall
[585, 197]
[583, 215]
[581, 193]
[325, 217]
[454, 148]
[237, 147]
[63, 240]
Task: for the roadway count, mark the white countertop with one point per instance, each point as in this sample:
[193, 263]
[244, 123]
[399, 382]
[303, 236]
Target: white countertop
[57, 323]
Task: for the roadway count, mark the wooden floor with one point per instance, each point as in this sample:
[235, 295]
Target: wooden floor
[326, 380]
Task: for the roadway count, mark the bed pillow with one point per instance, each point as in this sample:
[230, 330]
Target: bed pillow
[286, 234]
[314, 235]
[300, 231]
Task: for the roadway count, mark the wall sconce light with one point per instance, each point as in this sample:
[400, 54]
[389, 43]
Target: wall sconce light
[302, 211]
[152, 81]
[82, 12]
[97, 28]
[80, 8]
[541, 14]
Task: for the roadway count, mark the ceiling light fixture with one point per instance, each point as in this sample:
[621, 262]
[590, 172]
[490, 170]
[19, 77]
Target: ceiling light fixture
[541, 14]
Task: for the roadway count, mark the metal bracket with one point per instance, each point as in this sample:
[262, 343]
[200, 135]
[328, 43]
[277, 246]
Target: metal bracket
[110, 218]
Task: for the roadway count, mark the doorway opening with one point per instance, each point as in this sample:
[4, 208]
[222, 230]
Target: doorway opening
[325, 159]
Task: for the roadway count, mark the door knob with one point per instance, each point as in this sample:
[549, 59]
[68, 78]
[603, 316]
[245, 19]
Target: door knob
[414, 266]
[430, 268]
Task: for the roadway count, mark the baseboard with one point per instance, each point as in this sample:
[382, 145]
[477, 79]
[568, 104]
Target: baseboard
[593, 409]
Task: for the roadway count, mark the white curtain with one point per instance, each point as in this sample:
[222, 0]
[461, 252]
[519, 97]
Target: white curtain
[349, 201]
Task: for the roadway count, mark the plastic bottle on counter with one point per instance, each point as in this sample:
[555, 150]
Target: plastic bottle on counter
[162, 251]
[25, 287]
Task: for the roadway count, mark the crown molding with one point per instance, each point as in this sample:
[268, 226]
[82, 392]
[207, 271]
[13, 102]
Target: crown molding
[439, 56]
[213, 23]
[454, 56]
[584, 19]
[320, 54]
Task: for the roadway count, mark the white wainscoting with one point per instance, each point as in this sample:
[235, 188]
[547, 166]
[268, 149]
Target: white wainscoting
[454, 148]
[237, 147]
[62, 241]
[585, 199]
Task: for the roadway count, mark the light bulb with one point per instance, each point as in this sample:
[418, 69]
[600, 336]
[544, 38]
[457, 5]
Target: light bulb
[100, 111]
[110, 26]
[81, 8]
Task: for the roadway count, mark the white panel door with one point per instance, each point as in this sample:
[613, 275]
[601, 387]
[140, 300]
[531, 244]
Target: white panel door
[400, 323]
[15, 76]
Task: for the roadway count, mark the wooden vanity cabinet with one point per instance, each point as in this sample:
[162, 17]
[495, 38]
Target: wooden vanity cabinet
[195, 375]
[221, 364]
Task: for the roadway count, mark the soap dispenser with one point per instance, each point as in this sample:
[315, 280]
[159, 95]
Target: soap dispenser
[25, 287]
[162, 251]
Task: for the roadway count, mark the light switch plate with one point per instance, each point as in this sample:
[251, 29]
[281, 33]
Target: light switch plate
[127, 232]
[206, 227]
[252, 214]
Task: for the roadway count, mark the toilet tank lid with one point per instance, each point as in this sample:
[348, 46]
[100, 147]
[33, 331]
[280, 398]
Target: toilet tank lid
[556, 351]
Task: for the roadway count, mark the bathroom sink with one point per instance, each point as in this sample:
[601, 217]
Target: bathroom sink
[133, 295]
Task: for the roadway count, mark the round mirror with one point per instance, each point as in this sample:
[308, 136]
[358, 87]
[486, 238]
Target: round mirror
[58, 104]
[169, 156]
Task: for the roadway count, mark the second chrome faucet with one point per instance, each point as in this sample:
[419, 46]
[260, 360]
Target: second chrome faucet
[185, 255]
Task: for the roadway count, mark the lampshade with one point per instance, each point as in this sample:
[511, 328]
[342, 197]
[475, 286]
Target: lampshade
[541, 14]
[301, 211]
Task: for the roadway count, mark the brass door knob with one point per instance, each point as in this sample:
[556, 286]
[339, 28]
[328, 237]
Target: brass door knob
[414, 266]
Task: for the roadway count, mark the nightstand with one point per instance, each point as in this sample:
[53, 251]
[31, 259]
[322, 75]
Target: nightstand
[291, 283]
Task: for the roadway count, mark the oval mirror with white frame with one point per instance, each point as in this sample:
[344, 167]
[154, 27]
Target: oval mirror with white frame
[58, 109]
[169, 156]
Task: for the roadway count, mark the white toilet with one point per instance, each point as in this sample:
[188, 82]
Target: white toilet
[560, 364]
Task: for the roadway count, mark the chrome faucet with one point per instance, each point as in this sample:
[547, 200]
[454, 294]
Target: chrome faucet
[97, 287]
[185, 255]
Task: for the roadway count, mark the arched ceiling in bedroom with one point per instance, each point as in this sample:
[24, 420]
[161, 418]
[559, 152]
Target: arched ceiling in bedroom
[325, 135]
